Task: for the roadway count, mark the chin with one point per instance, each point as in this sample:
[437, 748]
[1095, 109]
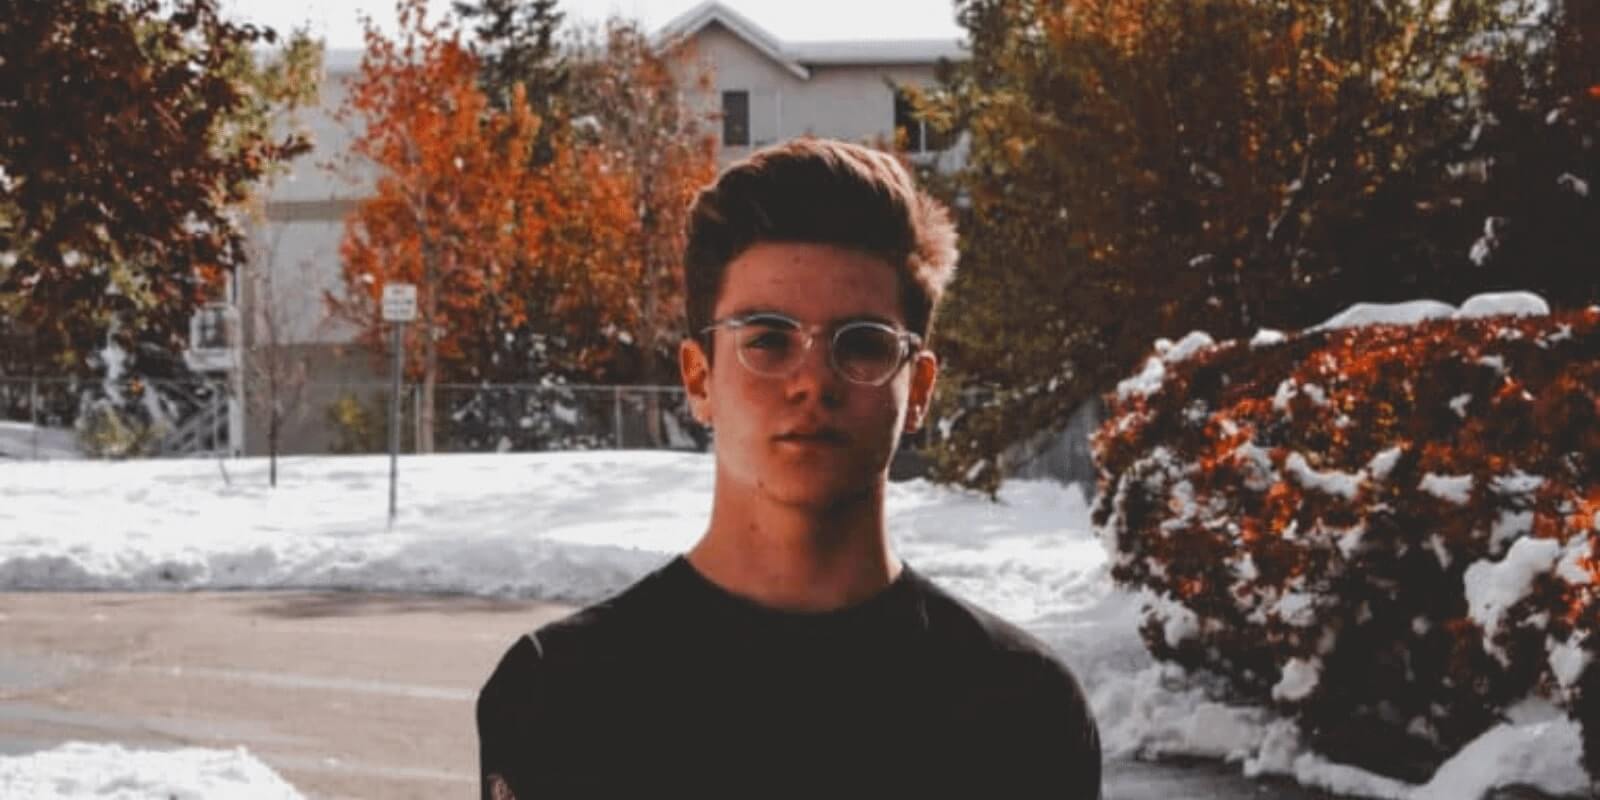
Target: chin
[818, 492]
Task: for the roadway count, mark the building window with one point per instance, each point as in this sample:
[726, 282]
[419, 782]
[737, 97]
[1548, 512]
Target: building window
[736, 119]
[918, 136]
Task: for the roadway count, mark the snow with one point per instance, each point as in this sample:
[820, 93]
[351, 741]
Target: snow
[1518, 482]
[1543, 748]
[1495, 304]
[1408, 313]
[1299, 678]
[1508, 527]
[1331, 482]
[1573, 183]
[1267, 337]
[1572, 566]
[1383, 463]
[1568, 660]
[22, 440]
[577, 526]
[82, 770]
[1146, 383]
[1186, 347]
[1492, 587]
[1522, 304]
[1455, 489]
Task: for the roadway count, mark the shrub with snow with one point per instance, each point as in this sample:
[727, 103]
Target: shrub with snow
[1389, 531]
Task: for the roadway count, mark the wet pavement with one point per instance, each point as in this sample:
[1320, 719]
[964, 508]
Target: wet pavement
[346, 695]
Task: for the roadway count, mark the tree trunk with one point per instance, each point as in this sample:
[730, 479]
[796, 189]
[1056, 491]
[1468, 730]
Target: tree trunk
[430, 346]
[272, 447]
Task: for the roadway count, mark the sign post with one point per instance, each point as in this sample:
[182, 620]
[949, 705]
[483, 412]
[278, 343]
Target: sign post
[399, 307]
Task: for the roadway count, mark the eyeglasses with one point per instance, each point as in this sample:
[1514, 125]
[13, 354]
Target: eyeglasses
[773, 345]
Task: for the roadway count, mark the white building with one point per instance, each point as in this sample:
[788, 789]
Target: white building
[765, 90]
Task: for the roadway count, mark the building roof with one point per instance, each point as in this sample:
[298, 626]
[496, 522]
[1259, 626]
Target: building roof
[698, 18]
[799, 57]
[883, 51]
[795, 57]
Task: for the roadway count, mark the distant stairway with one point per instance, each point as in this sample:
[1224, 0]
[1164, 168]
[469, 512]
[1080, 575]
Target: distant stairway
[204, 432]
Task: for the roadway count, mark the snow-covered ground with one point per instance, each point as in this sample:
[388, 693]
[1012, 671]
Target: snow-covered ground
[577, 526]
[111, 772]
[21, 440]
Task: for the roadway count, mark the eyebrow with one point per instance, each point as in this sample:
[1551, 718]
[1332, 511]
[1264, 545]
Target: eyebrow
[837, 321]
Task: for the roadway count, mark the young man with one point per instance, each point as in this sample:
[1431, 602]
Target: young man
[790, 653]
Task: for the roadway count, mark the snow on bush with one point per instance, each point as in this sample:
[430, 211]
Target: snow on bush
[1386, 527]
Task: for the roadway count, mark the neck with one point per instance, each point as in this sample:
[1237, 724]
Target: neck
[796, 558]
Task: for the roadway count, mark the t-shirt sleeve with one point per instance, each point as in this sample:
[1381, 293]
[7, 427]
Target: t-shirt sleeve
[1060, 755]
[506, 743]
[1079, 737]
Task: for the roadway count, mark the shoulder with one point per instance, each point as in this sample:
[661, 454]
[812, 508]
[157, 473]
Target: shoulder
[611, 628]
[969, 629]
[616, 626]
[1042, 730]
[998, 651]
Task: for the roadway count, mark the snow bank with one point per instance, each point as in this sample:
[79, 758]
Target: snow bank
[22, 440]
[1522, 304]
[79, 770]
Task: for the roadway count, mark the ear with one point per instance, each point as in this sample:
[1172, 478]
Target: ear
[924, 374]
[695, 370]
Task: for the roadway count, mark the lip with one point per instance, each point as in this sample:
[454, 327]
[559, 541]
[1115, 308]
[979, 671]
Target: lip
[819, 437]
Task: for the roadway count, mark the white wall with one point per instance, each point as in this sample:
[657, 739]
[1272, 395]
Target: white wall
[853, 102]
[305, 210]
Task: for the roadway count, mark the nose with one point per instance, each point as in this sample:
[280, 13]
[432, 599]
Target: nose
[814, 377]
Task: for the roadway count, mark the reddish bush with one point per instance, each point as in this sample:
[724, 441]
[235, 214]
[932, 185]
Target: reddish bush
[1389, 532]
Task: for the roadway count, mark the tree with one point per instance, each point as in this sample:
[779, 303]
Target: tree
[447, 211]
[1521, 189]
[131, 131]
[516, 44]
[1142, 168]
[275, 373]
[600, 283]
[662, 150]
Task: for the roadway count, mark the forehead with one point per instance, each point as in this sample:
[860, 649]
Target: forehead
[811, 282]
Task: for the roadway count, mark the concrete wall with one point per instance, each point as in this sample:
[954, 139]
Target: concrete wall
[296, 263]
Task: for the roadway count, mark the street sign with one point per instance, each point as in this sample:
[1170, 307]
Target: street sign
[399, 302]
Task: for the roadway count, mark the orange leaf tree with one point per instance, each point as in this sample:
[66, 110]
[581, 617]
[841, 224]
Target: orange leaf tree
[628, 92]
[449, 210]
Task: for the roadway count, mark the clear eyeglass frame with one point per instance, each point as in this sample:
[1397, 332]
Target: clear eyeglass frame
[908, 344]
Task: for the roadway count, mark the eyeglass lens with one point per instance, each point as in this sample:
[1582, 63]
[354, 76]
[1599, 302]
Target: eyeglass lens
[861, 351]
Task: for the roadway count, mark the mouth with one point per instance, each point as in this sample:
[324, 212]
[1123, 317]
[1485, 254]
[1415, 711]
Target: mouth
[814, 437]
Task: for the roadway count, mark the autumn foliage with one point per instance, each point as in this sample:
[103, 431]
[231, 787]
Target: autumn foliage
[530, 266]
[1389, 532]
[1142, 168]
[131, 135]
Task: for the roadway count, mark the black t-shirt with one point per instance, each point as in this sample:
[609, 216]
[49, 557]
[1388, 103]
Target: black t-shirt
[677, 688]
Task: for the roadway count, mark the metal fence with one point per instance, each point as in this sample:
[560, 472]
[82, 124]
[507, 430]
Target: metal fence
[64, 418]
[56, 418]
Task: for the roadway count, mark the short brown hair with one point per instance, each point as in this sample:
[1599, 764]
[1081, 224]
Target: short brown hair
[820, 191]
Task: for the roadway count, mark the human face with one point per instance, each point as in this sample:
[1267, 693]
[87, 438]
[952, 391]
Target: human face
[811, 437]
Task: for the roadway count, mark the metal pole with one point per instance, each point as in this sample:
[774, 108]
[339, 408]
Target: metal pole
[394, 420]
[616, 415]
[33, 413]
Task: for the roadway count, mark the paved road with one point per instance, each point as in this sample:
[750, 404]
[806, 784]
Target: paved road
[345, 695]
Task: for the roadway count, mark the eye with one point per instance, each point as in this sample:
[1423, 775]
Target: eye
[866, 343]
[773, 340]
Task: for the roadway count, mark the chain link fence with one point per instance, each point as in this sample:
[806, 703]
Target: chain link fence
[58, 418]
[44, 418]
